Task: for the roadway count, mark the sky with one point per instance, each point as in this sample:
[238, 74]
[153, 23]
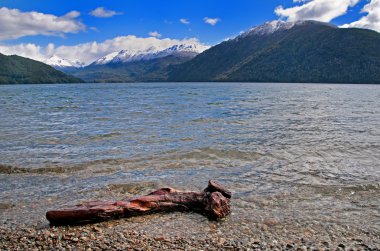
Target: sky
[89, 29]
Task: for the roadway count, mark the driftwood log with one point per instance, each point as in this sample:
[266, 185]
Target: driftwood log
[213, 201]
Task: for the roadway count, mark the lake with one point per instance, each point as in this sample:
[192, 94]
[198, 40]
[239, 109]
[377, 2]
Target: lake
[297, 154]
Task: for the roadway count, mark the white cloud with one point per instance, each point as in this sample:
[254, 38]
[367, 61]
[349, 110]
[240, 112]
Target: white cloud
[319, 10]
[49, 50]
[154, 34]
[15, 24]
[72, 14]
[91, 51]
[369, 21]
[94, 29]
[25, 50]
[211, 21]
[184, 21]
[104, 13]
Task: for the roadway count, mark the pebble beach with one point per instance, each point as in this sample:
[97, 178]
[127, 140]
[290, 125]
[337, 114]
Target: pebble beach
[169, 232]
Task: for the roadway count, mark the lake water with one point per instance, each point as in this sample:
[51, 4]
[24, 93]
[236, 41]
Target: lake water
[296, 153]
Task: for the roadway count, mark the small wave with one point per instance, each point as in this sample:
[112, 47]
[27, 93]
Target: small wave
[8, 169]
[96, 166]
[170, 160]
[106, 136]
[59, 108]
[363, 187]
[348, 189]
[215, 103]
[205, 120]
[133, 188]
[224, 154]
[102, 119]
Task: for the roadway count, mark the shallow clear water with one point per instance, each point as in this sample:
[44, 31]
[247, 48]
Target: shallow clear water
[305, 151]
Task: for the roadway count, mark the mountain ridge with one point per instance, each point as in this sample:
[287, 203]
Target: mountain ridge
[127, 56]
[280, 25]
[306, 51]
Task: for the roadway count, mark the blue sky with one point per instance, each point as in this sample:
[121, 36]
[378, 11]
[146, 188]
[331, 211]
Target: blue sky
[145, 18]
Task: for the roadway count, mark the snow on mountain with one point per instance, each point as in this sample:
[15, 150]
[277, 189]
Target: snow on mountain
[106, 59]
[278, 25]
[271, 27]
[77, 63]
[58, 62]
[183, 50]
[126, 56]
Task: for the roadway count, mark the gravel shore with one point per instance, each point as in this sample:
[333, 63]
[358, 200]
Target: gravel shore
[256, 223]
[118, 235]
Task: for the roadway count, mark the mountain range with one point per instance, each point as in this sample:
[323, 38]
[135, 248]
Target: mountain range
[149, 65]
[277, 51]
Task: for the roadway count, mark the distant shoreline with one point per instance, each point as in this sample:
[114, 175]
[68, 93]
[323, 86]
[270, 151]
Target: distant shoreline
[199, 82]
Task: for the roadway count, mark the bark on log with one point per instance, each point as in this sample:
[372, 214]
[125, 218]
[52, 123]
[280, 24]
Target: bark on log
[213, 201]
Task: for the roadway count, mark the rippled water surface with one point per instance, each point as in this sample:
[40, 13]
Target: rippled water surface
[288, 151]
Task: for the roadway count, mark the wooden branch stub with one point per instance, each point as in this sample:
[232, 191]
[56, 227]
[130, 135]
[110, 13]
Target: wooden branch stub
[213, 186]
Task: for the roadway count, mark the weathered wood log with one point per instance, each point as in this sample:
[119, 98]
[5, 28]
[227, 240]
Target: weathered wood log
[213, 201]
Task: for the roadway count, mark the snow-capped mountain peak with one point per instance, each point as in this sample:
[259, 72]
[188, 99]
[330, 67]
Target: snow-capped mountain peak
[279, 25]
[183, 50]
[133, 55]
[58, 62]
[125, 56]
[106, 59]
[188, 48]
[271, 27]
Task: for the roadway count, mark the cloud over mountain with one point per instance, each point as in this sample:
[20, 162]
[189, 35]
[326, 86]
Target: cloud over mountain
[372, 18]
[24, 50]
[16, 24]
[91, 51]
[327, 10]
[319, 10]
